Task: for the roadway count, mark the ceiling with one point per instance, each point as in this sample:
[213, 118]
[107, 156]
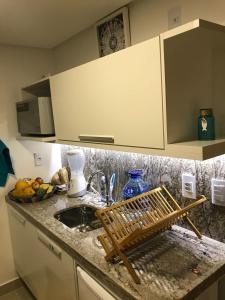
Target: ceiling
[47, 23]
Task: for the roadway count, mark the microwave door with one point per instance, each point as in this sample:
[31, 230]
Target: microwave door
[28, 117]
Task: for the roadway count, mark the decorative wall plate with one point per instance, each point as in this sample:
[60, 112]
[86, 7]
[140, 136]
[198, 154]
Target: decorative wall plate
[113, 32]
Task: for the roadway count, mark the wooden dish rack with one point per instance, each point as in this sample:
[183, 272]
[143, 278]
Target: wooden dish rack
[131, 222]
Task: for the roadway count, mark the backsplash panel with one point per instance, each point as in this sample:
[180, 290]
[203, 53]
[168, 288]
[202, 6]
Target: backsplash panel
[164, 170]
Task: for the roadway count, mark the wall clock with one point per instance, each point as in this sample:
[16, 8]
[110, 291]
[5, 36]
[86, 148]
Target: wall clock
[113, 32]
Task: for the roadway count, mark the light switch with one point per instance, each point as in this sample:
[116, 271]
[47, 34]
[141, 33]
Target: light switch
[189, 186]
[38, 159]
[218, 191]
[174, 17]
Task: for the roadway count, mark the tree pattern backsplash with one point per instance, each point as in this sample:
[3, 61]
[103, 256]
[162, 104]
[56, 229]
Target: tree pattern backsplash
[158, 170]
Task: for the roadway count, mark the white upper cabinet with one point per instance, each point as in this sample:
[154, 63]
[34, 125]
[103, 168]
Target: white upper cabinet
[116, 99]
[193, 72]
[147, 97]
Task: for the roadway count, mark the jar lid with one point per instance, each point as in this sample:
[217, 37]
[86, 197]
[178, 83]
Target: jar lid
[135, 172]
[206, 112]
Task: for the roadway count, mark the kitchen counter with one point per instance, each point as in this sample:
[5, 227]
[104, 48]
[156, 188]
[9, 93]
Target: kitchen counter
[172, 265]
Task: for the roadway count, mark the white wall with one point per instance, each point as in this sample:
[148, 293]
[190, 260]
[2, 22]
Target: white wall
[148, 18]
[19, 67]
[77, 50]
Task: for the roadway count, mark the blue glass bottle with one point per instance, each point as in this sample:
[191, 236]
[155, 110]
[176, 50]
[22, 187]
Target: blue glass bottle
[206, 127]
[135, 185]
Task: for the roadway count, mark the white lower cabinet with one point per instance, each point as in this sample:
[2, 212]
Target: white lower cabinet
[211, 293]
[49, 272]
[46, 269]
[57, 271]
[25, 243]
[89, 288]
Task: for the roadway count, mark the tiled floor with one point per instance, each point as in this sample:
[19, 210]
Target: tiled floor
[19, 294]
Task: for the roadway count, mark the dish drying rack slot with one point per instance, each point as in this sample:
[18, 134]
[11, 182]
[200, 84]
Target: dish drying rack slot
[131, 222]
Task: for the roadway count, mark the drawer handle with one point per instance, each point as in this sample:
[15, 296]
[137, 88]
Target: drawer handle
[56, 250]
[44, 240]
[53, 248]
[96, 138]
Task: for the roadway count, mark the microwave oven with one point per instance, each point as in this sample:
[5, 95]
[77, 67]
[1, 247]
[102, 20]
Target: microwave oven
[35, 117]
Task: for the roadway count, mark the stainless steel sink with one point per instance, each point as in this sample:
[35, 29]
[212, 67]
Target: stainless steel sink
[80, 218]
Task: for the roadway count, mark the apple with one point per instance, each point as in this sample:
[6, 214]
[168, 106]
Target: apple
[35, 185]
[39, 180]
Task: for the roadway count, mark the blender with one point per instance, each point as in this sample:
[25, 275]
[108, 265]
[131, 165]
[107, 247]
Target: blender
[78, 185]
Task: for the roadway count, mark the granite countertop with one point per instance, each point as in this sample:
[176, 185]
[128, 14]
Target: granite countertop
[173, 265]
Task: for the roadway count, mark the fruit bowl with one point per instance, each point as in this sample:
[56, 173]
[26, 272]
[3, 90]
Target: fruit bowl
[36, 197]
[33, 199]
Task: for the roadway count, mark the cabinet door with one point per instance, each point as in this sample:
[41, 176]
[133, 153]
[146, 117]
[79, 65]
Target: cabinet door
[56, 270]
[211, 293]
[88, 288]
[46, 269]
[115, 97]
[24, 246]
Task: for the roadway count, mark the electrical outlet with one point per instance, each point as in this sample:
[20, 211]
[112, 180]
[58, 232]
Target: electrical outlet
[218, 191]
[38, 159]
[189, 186]
[174, 17]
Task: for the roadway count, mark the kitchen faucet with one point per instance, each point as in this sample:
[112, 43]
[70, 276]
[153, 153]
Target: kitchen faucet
[106, 183]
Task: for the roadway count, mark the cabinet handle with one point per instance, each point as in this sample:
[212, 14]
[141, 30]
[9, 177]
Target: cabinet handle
[53, 248]
[43, 239]
[56, 250]
[18, 217]
[96, 138]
